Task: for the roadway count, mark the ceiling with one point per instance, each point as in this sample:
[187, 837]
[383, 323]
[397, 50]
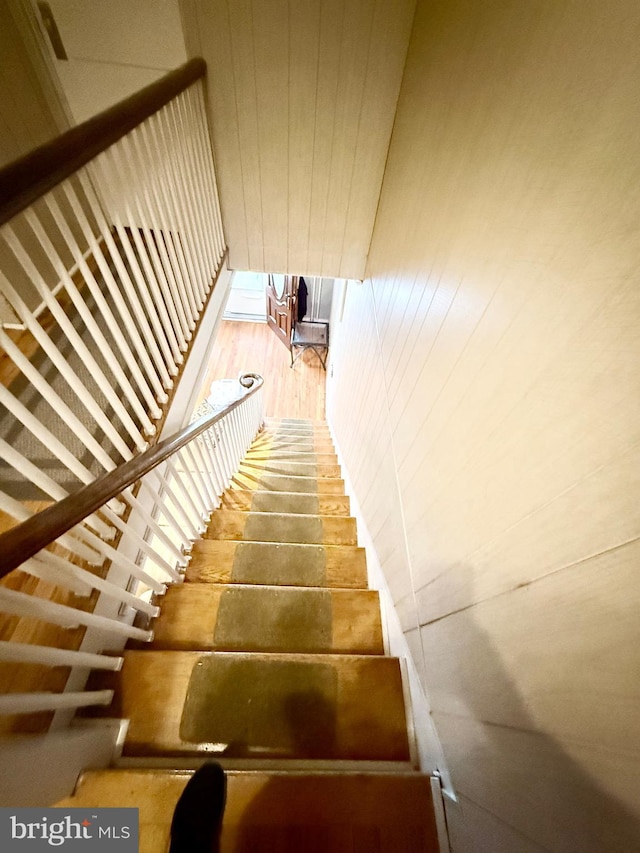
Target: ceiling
[302, 100]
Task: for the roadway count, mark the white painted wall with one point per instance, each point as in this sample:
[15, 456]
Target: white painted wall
[115, 48]
[485, 397]
[28, 114]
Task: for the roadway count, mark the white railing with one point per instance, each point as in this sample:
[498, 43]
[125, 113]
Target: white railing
[173, 501]
[111, 242]
[106, 274]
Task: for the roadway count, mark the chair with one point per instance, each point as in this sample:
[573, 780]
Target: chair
[310, 334]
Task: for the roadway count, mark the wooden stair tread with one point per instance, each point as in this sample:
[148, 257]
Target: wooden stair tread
[289, 468]
[282, 527]
[306, 443]
[312, 426]
[281, 419]
[280, 812]
[229, 561]
[317, 426]
[258, 500]
[269, 618]
[272, 454]
[261, 705]
[271, 655]
[277, 482]
[296, 432]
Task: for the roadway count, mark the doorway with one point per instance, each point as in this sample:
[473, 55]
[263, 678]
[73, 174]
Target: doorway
[247, 298]
[246, 301]
[245, 343]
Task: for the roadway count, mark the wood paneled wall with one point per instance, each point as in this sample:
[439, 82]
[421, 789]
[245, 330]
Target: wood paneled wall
[302, 100]
[485, 396]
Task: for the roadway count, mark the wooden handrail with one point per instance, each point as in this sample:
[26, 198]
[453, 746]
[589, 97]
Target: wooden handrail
[26, 539]
[30, 177]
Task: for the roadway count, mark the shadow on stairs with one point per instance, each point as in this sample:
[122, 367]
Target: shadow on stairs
[270, 658]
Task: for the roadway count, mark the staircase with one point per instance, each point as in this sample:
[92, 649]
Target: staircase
[270, 658]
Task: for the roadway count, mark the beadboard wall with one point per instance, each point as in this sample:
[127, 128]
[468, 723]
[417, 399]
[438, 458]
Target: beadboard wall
[302, 99]
[485, 392]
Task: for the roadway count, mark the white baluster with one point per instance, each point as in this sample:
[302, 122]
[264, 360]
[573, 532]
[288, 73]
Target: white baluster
[102, 171]
[161, 139]
[100, 341]
[55, 401]
[177, 479]
[195, 177]
[146, 254]
[234, 434]
[197, 469]
[184, 468]
[49, 440]
[213, 474]
[155, 244]
[71, 333]
[16, 509]
[141, 342]
[181, 203]
[180, 145]
[34, 474]
[29, 703]
[164, 204]
[219, 460]
[55, 569]
[197, 95]
[49, 656]
[146, 548]
[236, 431]
[105, 312]
[118, 559]
[114, 187]
[223, 452]
[60, 362]
[151, 522]
[19, 604]
[206, 181]
[164, 486]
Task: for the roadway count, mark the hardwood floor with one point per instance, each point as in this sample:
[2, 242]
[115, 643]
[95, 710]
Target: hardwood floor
[297, 392]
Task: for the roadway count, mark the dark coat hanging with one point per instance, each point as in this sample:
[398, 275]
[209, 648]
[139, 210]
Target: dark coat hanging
[302, 298]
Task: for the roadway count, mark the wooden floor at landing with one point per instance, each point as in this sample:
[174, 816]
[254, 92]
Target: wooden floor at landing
[289, 392]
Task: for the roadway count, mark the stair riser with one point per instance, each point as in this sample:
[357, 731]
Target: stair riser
[226, 561]
[281, 527]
